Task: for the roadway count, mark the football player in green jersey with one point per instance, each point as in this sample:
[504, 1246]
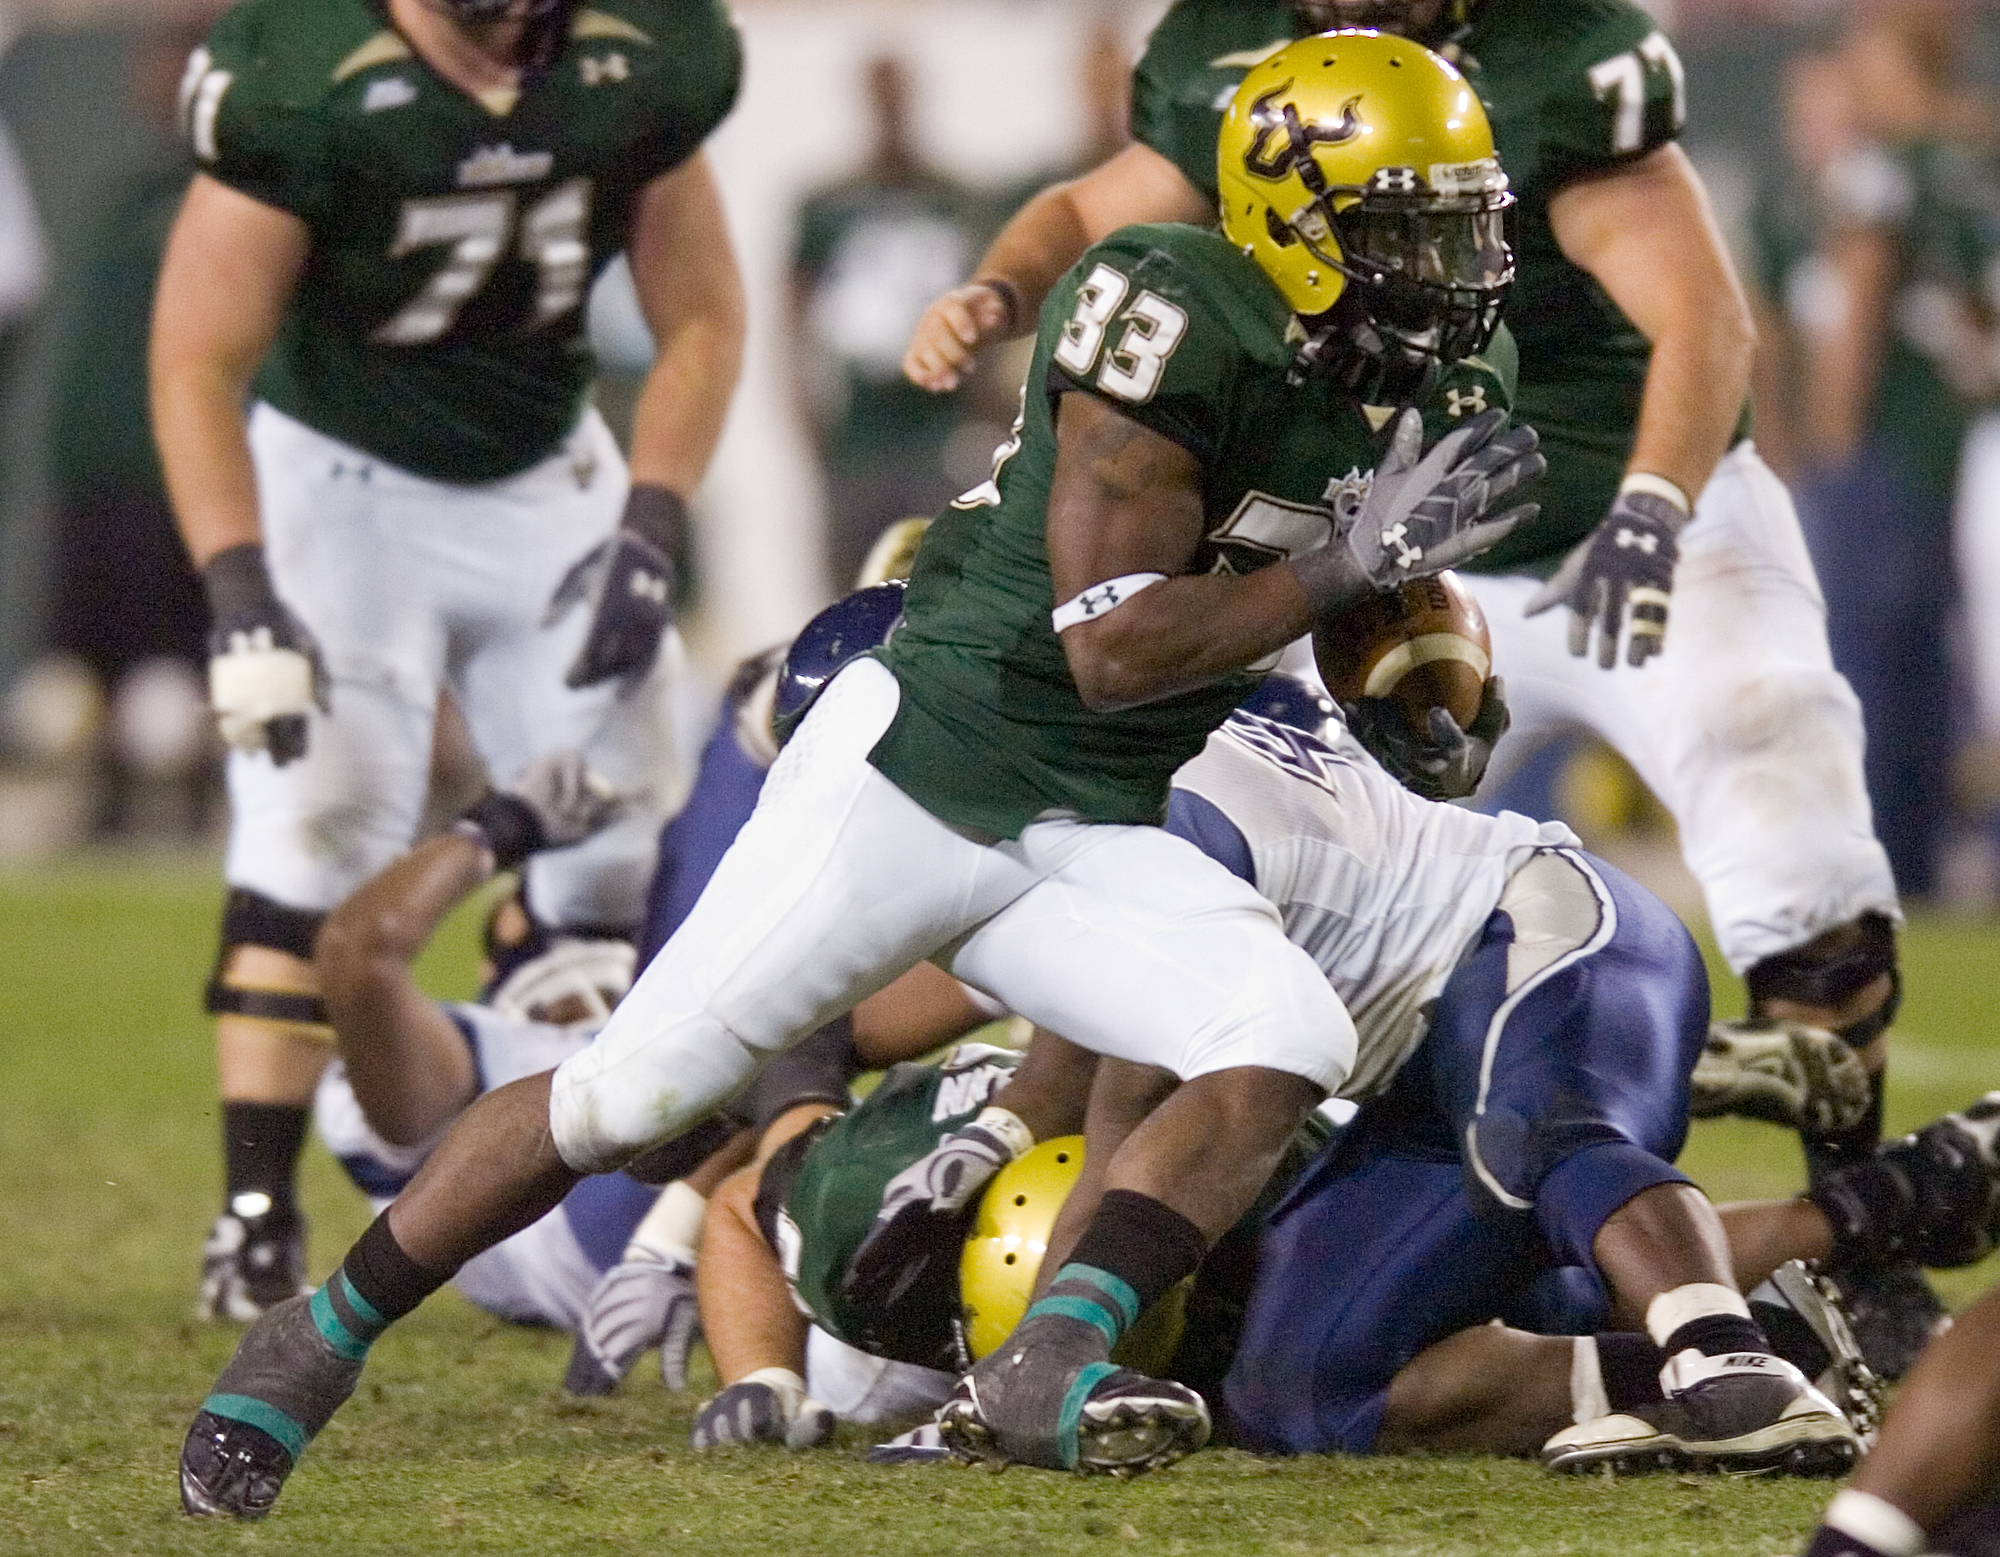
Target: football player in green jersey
[1635, 346]
[398, 213]
[1193, 487]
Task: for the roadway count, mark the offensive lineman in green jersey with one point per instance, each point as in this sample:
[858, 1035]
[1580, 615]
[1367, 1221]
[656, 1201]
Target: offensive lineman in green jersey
[1634, 344]
[399, 210]
[1074, 640]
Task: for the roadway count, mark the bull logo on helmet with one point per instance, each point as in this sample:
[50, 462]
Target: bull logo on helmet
[1272, 119]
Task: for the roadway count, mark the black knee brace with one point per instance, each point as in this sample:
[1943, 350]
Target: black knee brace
[1827, 978]
[252, 919]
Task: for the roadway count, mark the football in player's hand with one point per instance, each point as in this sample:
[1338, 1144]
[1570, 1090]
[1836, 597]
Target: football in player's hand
[1422, 646]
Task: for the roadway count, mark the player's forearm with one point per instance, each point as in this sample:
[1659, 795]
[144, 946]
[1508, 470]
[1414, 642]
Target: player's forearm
[1043, 239]
[392, 916]
[747, 1312]
[198, 424]
[679, 417]
[1184, 633]
[1695, 392]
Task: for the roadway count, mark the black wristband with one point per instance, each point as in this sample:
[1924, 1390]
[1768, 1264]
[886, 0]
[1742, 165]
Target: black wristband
[237, 582]
[657, 515]
[1007, 292]
[505, 824]
[1332, 579]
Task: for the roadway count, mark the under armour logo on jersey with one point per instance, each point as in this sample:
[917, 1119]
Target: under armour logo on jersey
[1459, 402]
[1406, 556]
[649, 586]
[1627, 539]
[598, 69]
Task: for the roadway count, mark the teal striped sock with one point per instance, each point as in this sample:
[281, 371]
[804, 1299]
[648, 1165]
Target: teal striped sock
[1097, 1297]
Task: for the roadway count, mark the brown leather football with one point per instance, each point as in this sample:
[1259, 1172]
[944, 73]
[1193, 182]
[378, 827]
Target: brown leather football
[1423, 646]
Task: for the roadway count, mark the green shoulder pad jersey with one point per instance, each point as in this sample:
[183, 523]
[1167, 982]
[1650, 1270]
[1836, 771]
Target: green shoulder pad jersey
[1179, 332]
[439, 324]
[821, 1191]
[1572, 87]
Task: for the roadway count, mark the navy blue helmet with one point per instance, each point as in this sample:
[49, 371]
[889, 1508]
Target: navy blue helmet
[1290, 700]
[842, 632]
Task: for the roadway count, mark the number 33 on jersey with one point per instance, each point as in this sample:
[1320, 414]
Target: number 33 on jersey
[453, 239]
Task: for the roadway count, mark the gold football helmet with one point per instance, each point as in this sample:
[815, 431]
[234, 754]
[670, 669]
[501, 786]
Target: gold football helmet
[1357, 170]
[1003, 1255]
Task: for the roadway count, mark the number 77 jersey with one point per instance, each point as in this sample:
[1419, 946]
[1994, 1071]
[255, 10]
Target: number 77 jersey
[1177, 331]
[453, 239]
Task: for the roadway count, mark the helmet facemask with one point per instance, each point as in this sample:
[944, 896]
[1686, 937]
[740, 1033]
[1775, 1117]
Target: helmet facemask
[1427, 272]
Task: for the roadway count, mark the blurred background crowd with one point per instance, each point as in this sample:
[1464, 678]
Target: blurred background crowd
[1852, 150]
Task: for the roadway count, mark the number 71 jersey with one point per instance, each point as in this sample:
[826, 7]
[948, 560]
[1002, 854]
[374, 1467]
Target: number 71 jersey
[453, 240]
[1177, 331]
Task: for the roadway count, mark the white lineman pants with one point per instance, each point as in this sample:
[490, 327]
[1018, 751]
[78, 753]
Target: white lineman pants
[1126, 940]
[410, 585]
[1741, 726]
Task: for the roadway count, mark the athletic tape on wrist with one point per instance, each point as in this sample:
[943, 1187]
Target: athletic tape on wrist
[1876, 1521]
[1100, 598]
[1656, 486]
[1006, 1127]
[672, 1229]
[782, 1382]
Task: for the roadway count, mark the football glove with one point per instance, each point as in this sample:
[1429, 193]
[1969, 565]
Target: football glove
[264, 668]
[630, 581]
[1450, 764]
[639, 1303]
[769, 1406]
[1785, 1073]
[557, 802]
[923, 1209]
[1628, 559]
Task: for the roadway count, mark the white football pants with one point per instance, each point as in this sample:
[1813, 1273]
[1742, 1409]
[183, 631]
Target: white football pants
[1125, 940]
[1741, 725]
[410, 585]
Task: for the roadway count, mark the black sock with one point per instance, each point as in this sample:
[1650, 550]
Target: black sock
[1630, 1366]
[1792, 1338]
[1717, 1335]
[1829, 1542]
[261, 1143]
[384, 1277]
[1146, 1244]
[1133, 1251]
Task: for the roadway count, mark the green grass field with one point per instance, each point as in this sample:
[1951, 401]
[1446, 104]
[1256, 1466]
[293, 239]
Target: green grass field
[459, 1440]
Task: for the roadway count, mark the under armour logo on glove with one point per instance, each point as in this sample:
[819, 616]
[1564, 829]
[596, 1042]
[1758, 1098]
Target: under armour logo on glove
[1627, 560]
[264, 671]
[630, 577]
[1406, 557]
[1465, 402]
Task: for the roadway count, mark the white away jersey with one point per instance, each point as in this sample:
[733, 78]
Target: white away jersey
[1385, 891]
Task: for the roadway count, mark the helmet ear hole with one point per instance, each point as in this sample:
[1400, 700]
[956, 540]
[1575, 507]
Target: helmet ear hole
[1281, 234]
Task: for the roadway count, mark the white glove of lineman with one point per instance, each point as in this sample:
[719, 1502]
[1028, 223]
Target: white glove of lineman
[642, 1302]
[769, 1406]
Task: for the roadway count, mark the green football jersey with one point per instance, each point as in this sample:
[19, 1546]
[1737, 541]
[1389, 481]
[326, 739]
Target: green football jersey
[1571, 87]
[438, 324]
[836, 1183]
[1179, 332]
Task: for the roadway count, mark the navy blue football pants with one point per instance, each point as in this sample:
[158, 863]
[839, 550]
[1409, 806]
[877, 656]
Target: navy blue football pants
[1438, 1209]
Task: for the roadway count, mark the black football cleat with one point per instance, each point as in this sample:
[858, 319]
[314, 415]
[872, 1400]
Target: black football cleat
[229, 1467]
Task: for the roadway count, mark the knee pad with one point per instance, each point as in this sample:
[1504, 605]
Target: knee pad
[1820, 975]
[251, 919]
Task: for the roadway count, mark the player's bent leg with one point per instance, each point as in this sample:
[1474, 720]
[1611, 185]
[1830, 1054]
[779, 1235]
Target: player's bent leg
[272, 1044]
[836, 884]
[1187, 969]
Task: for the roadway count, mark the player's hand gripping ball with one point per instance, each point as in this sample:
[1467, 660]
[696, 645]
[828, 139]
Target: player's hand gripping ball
[1410, 670]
